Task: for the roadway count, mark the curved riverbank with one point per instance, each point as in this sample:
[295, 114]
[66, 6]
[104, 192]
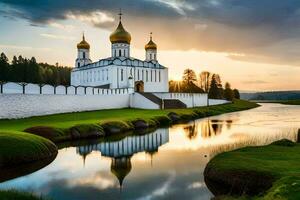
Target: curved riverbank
[269, 172]
[18, 148]
[124, 121]
[29, 140]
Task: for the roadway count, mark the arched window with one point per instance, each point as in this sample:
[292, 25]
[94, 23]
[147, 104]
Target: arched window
[83, 55]
[106, 74]
[142, 75]
[150, 56]
[151, 75]
[155, 75]
[78, 64]
[146, 75]
[138, 73]
[154, 56]
[120, 52]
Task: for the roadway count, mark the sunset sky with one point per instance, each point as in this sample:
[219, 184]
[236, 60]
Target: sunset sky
[253, 44]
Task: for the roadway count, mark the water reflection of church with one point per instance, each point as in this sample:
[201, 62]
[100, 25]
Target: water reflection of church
[121, 151]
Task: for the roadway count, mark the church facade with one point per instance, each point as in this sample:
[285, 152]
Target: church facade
[120, 70]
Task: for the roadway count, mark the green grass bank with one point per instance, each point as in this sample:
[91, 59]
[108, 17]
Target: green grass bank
[64, 127]
[18, 147]
[264, 173]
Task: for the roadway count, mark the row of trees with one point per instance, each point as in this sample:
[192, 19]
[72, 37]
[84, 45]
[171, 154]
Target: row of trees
[205, 83]
[28, 70]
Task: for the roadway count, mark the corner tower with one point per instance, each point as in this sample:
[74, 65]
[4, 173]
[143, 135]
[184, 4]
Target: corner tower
[120, 41]
[151, 50]
[83, 53]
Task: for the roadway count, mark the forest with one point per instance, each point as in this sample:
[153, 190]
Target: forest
[205, 82]
[27, 70]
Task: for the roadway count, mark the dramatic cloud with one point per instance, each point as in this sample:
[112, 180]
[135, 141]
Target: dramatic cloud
[253, 30]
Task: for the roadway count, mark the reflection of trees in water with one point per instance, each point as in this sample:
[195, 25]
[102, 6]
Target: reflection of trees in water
[229, 123]
[214, 127]
[121, 151]
[209, 128]
[191, 131]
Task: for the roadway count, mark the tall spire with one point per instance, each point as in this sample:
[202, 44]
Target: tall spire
[83, 38]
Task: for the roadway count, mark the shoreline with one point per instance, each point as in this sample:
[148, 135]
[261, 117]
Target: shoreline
[99, 128]
[121, 124]
[264, 172]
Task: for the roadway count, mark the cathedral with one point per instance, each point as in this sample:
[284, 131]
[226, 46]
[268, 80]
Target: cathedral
[120, 70]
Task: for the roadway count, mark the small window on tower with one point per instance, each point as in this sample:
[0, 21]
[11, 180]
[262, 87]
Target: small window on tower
[120, 52]
[122, 75]
[78, 64]
[83, 55]
[147, 76]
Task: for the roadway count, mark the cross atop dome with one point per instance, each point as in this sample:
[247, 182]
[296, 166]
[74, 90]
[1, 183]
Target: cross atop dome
[120, 14]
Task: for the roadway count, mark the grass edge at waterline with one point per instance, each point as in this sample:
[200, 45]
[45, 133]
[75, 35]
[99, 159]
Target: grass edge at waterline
[266, 172]
[19, 147]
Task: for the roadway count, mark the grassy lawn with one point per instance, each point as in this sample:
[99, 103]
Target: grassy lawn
[71, 119]
[280, 161]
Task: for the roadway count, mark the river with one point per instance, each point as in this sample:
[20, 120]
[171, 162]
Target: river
[165, 164]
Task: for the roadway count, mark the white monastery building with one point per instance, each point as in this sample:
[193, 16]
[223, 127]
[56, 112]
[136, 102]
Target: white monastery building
[120, 70]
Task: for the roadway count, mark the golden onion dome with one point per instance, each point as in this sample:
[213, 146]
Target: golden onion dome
[151, 44]
[120, 35]
[83, 44]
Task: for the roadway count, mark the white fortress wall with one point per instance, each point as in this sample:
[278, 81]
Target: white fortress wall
[20, 105]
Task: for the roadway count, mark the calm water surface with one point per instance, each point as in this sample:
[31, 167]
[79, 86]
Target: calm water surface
[165, 164]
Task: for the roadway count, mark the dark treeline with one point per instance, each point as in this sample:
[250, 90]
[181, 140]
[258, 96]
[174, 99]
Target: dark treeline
[205, 83]
[29, 71]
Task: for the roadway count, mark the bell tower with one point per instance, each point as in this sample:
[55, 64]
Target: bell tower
[151, 50]
[83, 53]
